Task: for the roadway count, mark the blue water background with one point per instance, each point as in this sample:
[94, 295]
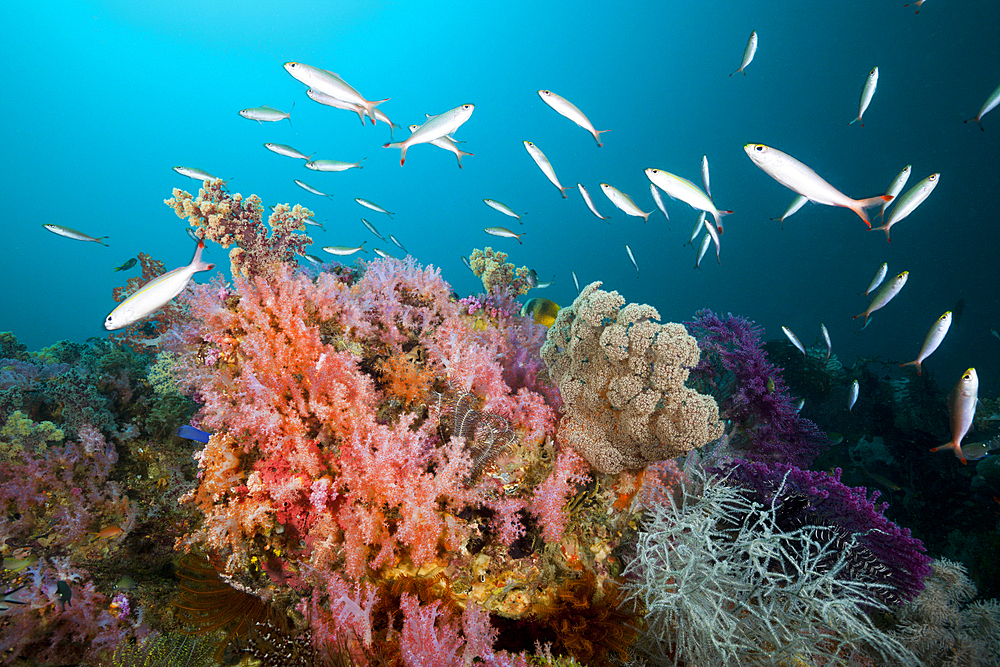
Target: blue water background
[101, 99]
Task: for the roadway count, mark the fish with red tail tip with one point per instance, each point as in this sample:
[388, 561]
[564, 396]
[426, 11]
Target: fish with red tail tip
[799, 178]
[961, 410]
[932, 340]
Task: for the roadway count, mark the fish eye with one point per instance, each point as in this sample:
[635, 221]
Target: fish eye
[759, 148]
[932, 178]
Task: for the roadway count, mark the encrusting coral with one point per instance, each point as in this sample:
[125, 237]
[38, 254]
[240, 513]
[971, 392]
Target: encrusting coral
[621, 375]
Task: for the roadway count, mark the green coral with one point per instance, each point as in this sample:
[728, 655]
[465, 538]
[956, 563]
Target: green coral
[170, 650]
[10, 348]
[20, 432]
[160, 374]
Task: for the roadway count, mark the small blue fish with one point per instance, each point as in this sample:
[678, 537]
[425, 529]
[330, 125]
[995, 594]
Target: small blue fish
[127, 265]
[192, 433]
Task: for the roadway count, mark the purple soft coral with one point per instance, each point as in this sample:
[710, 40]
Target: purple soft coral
[876, 550]
[750, 391]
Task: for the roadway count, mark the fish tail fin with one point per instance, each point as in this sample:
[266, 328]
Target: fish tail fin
[597, 137]
[718, 220]
[459, 155]
[955, 447]
[857, 120]
[564, 188]
[98, 239]
[912, 363]
[196, 260]
[370, 108]
[861, 204]
[978, 120]
[884, 228]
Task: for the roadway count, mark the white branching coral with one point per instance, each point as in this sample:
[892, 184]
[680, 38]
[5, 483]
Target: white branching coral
[723, 585]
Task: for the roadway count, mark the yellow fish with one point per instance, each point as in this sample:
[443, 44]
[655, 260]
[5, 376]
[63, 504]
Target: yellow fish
[543, 311]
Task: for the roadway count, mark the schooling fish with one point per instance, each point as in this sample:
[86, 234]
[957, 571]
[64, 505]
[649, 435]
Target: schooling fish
[879, 277]
[623, 202]
[446, 143]
[885, 295]
[589, 202]
[327, 82]
[704, 175]
[697, 228]
[632, 257]
[575, 282]
[372, 229]
[687, 192]
[792, 209]
[867, 92]
[795, 339]
[715, 239]
[287, 151]
[961, 410]
[71, 233]
[932, 340]
[748, 53]
[504, 232]
[196, 174]
[441, 125]
[503, 208]
[913, 198]
[373, 206]
[567, 109]
[382, 253]
[799, 178]
[991, 102]
[655, 191]
[330, 101]
[398, 244]
[157, 293]
[895, 188]
[343, 251]
[852, 395]
[706, 241]
[309, 188]
[826, 339]
[266, 114]
[543, 163]
[127, 265]
[333, 165]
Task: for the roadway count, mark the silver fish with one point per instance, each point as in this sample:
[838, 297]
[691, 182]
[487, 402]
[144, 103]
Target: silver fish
[961, 411]
[885, 295]
[826, 339]
[748, 53]
[632, 257]
[382, 253]
[543, 163]
[503, 208]
[575, 282]
[333, 165]
[330, 101]
[71, 233]
[266, 114]
[704, 175]
[372, 229]
[689, 193]
[398, 244]
[866, 95]
[852, 395]
[196, 174]
[343, 251]
[504, 232]
[446, 143]
[655, 191]
[327, 82]
[373, 206]
[895, 188]
[795, 339]
[441, 125]
[932, 340]
[623, 202]
[706, 241]
[589, 202]
[792, 209]
[991, 102]
[913, 198]
[287, 151]
[157, 293]
[879, 277]
[567, 109]
[309, 188]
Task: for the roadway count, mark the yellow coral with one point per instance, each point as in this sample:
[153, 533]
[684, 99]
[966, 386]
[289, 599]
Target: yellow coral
[160, 375]
[494, 270]
[20, 428]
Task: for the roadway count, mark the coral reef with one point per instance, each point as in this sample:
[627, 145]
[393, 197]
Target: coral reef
[230, 220]
[721, 583]
[621, 376]
[498, 275]
[751, 392]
